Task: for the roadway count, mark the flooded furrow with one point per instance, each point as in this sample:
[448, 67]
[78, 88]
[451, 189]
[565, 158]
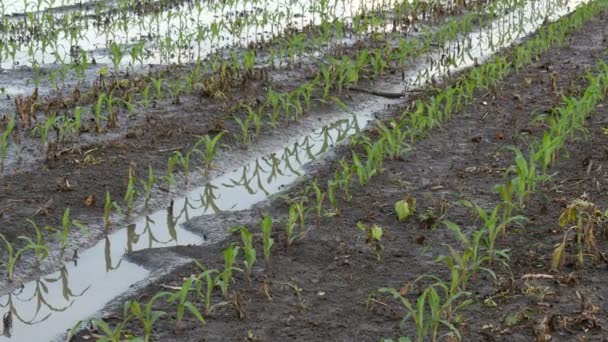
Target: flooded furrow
[54, 303]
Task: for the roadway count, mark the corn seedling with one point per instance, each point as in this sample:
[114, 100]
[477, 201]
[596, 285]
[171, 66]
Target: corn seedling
[225, 277]
[181, 296]
[77, 121]
[110, 335]
[73, 331]
[44, 130]
[97, 110]
[210, 284]
[211, 145]
[248, 249]
[464, 265]
[244, 126]
[525, 182]
[494, 226]
[585, 216]
[117, 55]
[147, 316]
[148, 185]
[66, 226]
[331, 193]
[145, 96]
[548, 150]
[295, 214]
[158, 88]
[394, 140]
[170, 175]
[344, 176]
[267, 241]
[373, 163]
[13, 256]
[131, 191]
[41, 249]
[319, 198]
[506, 194]
[433, 309]
[184, 160]
[373, 237]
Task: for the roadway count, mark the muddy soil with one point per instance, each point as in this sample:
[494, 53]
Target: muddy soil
[319, 289]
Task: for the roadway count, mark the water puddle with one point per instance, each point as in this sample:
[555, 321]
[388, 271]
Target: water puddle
[54, 303]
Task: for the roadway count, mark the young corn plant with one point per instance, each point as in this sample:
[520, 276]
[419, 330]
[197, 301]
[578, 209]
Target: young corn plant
[373, 237]
[109, 334]
[378, 62]
[547, 153]
[148, 185]
[131, 192]
[319, 198]
[14, 255]
[225, 277]
[343, 178]
[44, 130]
[433, 309]
[494, 226]
[169, 178]
[66, 226]
[97, 110]
[181, 297]
[466, 264]
[210, 283]
[331, 193]
[249, 63]
[506, 193]
[373, 164]
[267, 241]
[295, 214]
[248, 249]
[158, 82]
[116, 55]
[244, 126]
[210, 150]
[41, 249]
[394, 140]
[525, 181]
[147, 316]
[184, 160]
[585, 217]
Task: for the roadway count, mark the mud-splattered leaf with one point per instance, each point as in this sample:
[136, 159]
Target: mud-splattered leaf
[376, 233]
[405, 208]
